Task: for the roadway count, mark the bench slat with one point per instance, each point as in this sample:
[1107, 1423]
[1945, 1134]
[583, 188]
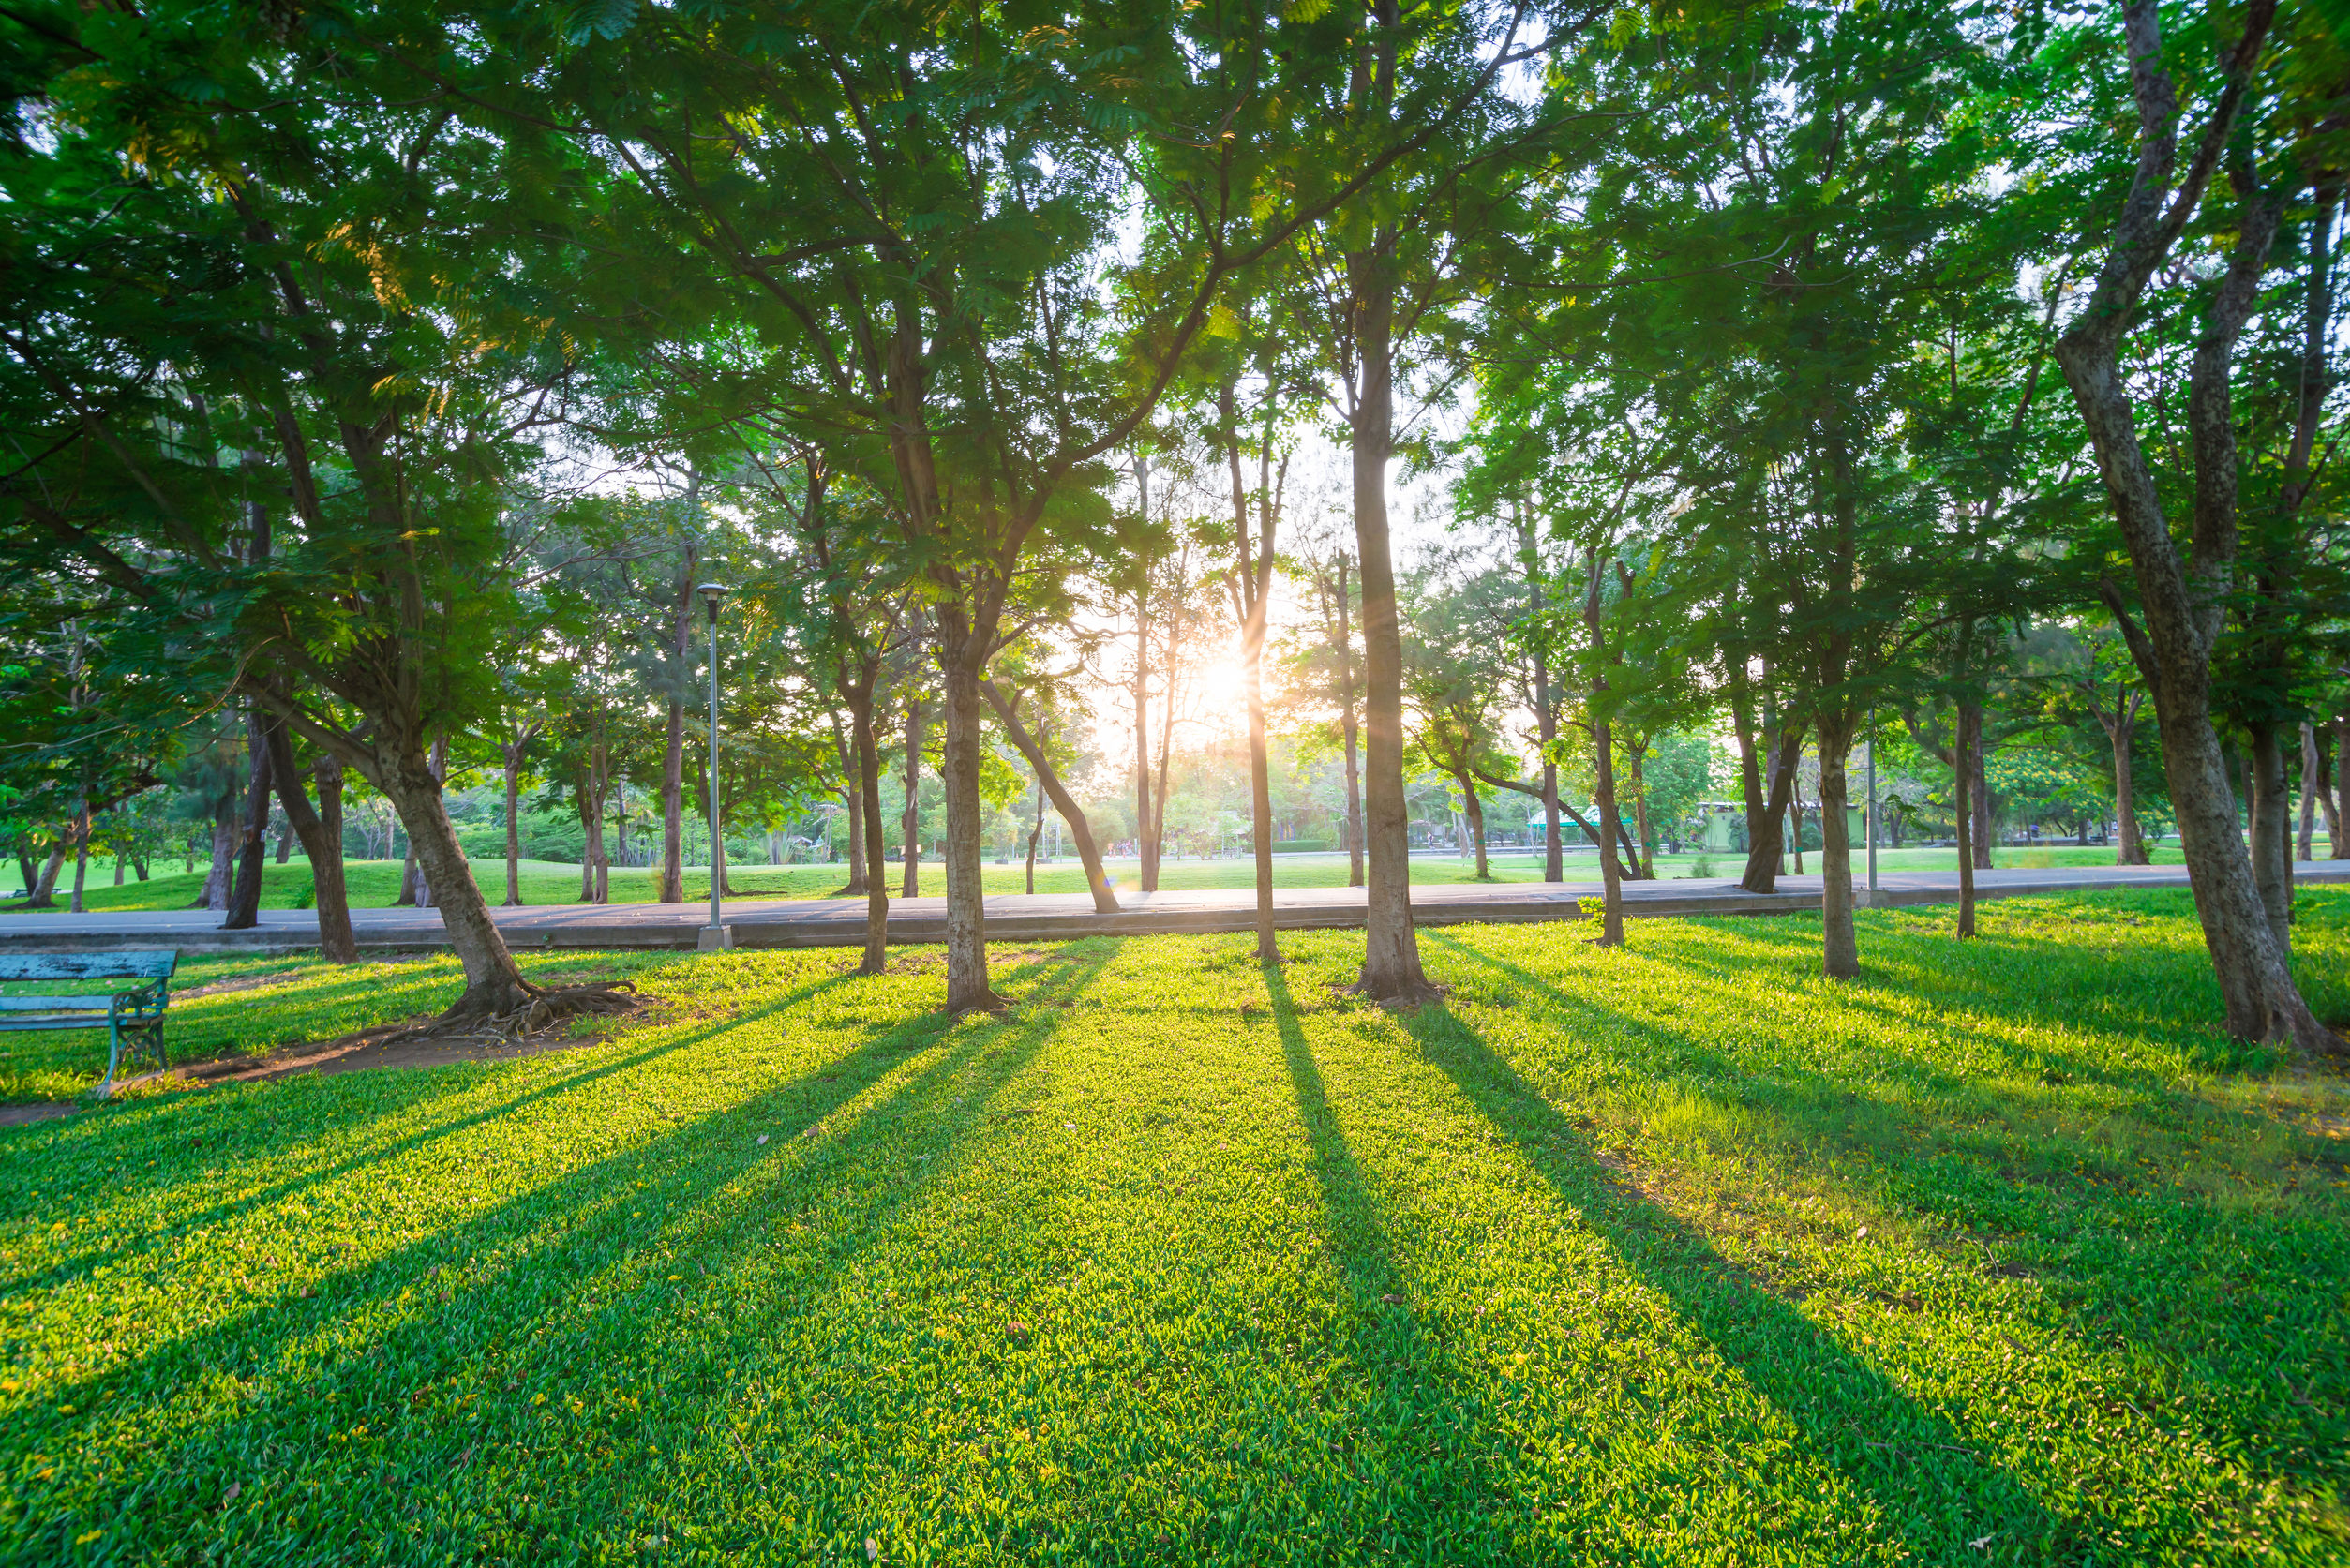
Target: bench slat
[67, 1020]
[143, 965]
[54, 1004]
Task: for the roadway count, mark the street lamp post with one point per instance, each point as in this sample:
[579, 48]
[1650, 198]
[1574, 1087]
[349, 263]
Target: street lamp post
[716, 936]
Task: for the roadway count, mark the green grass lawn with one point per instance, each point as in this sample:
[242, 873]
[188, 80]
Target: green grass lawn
[374, 883]
[1671, 1254]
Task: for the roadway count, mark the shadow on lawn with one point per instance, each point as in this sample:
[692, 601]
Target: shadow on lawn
[2126, 1267]
[1935, 1490]
[1934, 967]
[157, 1125]
[1417, 1379]
[566, 1276]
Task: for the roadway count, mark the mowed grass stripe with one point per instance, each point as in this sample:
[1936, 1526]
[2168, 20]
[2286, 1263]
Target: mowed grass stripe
[1671, 1254]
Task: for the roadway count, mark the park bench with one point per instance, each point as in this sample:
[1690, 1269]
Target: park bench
[136, 1013]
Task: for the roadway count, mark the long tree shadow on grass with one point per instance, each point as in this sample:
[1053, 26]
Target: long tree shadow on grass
[2158, 994]
[1935, 1489]
[158, 1126]
[564, 1285]
[1418, 1375]
[2121, 1264]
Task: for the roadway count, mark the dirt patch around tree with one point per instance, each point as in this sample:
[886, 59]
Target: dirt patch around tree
[383, 1046]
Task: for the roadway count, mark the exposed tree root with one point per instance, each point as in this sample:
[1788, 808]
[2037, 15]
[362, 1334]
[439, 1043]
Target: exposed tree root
[544, 1010]
[1407, 999]
[986, 1002]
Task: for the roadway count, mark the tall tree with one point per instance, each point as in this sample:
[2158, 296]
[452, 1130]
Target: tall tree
[2181, 595]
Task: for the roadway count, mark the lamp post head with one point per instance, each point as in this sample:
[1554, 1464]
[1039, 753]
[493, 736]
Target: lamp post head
[711, 593]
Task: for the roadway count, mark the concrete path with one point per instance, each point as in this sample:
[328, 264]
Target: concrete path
[1047, 917]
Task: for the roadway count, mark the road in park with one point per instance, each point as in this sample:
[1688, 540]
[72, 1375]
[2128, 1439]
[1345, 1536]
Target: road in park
[1055, 917]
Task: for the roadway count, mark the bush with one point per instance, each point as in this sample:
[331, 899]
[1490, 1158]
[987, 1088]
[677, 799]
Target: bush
[1304, 847]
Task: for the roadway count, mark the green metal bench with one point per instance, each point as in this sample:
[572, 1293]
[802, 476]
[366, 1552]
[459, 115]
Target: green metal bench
[135, 1015]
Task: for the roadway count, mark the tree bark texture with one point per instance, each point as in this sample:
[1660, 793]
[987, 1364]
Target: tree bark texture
[244, 900]
[1978, 781]
[2272, 831]
[1840, 946]
[868, 819]
[2305, 847]
[514, 823]
[1391, 951]
[1766, 835]
[910, 821]
[1966, 737]
[967, 987]
[1252, 587]
[2183, 600]
[322, 841]
[2121, 726]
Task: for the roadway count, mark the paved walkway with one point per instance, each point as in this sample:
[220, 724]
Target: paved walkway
[1048, 916]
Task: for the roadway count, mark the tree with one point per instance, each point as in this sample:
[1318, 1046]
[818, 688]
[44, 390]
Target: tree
[340, 288]
[2180, 596]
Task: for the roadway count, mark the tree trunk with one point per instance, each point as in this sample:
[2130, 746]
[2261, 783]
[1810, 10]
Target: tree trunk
[1354, 794]
[216, 890]
[1978, 781]
[427, 896]
[1959, 746]
[411, 880]
[1036, 832]
[1647, 841]
[82, 856]
[584, 797]
[1840, 946]
[910, 823]
[253, 847]
[1391, 951]
[1795, 813]
[322, 835]
[867, 819]
[1742, 722]
[673, 806]
[2327, 802]
[1546, 711]
[1603, 803]
[2272, 832]
[493, 986]
[855, 800]
[1766, 834]
[852, 802]
[1104, 899]
[2338, 818]
[1350, 731]
[514, 825]
[1473, 809]
[599, 863]
[45, 890]
[2184, 603]
[967, 989]
[1260, 765]
[2131, 851]
[1603, 748]
[1146, 840]
[2306, 849]
[284, 852]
